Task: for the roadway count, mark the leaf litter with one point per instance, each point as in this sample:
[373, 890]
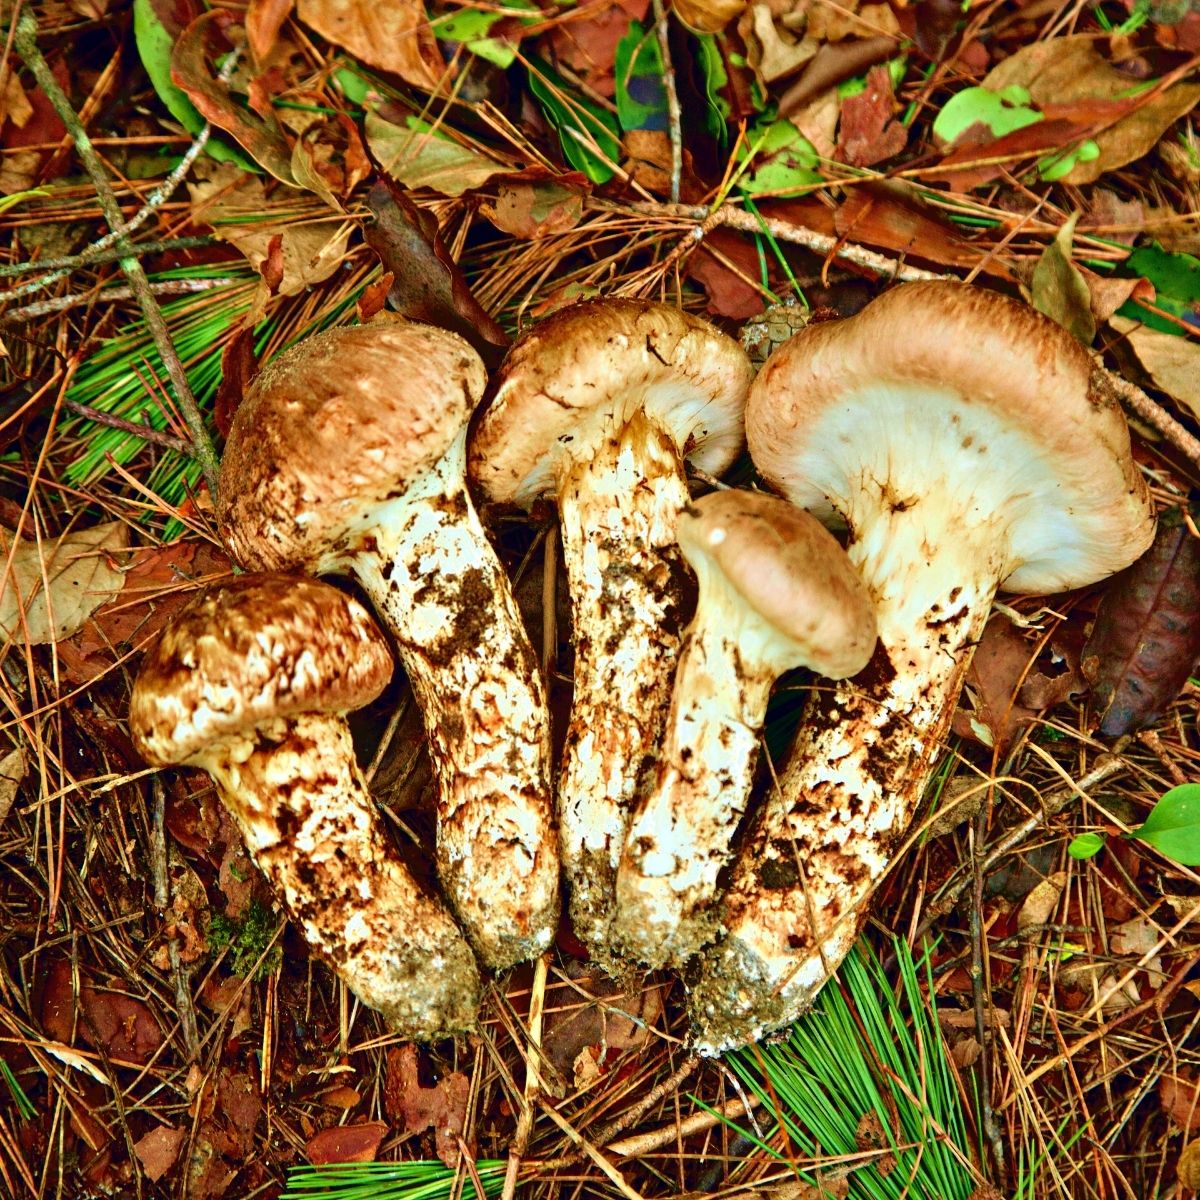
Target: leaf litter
[476, 168]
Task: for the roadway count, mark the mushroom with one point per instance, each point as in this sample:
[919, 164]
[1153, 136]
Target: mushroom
[969, 444]
[250, 682]
[347, 454]
[597, 406]
[776, 592]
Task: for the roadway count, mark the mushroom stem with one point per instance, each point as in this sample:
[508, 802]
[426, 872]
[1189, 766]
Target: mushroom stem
[825, 837]
[427, 565]
[679, 840]
[618, 509]
[303, 808]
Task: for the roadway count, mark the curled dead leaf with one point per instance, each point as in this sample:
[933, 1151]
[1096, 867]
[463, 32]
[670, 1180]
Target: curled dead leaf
[707, 16]
[12, 771]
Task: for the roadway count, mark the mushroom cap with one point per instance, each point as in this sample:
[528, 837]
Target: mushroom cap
[789, 570]
[257, 649]
[589, 367]
[936, 381]
[334, 425]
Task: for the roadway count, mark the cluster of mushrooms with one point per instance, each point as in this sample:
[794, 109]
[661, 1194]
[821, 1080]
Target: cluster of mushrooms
[962, 441]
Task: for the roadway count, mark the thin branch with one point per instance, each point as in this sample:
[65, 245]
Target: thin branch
[1154, 414]
[26, 44]
[162, 287]
[90, 256]
[145, 432]
[674, 115]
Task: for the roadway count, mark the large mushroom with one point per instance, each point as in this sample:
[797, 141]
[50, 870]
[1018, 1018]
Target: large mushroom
[250, 683]
[776, 592]
[347, 454]
[598, 406]
[969, 444]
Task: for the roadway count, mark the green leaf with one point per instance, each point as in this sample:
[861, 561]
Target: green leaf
[1059, 290]
[785, 160]
[1176, 279]
[154, 44]
[588, 134]
[1002, 112]
[1173, 826]
[638, 74]
[1085, 845]
[712, 66]
[1058, 166]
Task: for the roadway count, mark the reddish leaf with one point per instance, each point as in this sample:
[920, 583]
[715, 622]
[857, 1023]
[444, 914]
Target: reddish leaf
[831, 64]
[1179, 1095]
[1001, 661]
[428, 284]
[239, 365]
[374, 297]
[261, 136]
[346, 1143]
[729, 292]
[1147, 633]
[159, 1149]
[122, 1026]
[588, 45]
[264, 19]
[869, 132]
[443, 1106]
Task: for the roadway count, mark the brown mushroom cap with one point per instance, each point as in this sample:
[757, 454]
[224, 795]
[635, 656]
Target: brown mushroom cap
[572, 377]
[259, 648]
[334, 426]
[790, 570]
[1014, 399]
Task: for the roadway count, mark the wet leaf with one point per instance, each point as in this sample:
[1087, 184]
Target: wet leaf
[1172, 360]
[158, 1150]
[78, 571]
[1059, 289]
[260, 136]
[393, 37]
[443, 1106]
[346, 1143]
[418, 156]
[428, 286]
[1147, 632]
[1173, 826]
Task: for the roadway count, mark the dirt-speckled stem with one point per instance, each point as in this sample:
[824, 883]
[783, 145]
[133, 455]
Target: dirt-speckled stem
[679, 839]
[823, 840]
[619, 512]
[303, 809]
[432, 575]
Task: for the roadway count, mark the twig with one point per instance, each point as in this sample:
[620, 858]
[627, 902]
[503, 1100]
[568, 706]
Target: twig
[615, 1176]
[785, 231]
[674, 115]
[162, 287]
[90, 256]
[145, 432]
[25, 40]
[537, 1004]
[644, 1143]
[1157, 416]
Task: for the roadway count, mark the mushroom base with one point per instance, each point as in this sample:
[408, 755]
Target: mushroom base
[822, 842]
[300, 802]
[618, 508]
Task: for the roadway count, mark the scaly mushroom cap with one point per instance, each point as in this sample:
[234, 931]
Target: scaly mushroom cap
[789, 569]
[334, 426]
[863, 405]
[256, 649]
[589, 368]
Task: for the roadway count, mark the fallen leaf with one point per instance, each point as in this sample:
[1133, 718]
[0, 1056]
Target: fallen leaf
[1171, 360]
[393, 37]
[14, 104]
[1059, 290]
[1179, 1095]
[329, 160]
[1147, 632]
[119, 1024]
[159, 1149]
[239, 366]
[1136, 938]
[588, 44]
[260, 135]
[773, 51]
[1040, 905]
[346, 1143]
[264, 19]
[726, 266]
[12, 771]
[443, 1106]
[429, 285]
[869, 132]
[418, 156]
[1001, 660]
[76, 569]
[534, 209]
[707, 16]
[830, 66]
[1187, 1170]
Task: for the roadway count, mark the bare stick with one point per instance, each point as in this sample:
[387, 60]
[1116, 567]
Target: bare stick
[644, 1143]
[145, 432]
[164, 287]
[674, 115]
[26, 44]
[90, 256]
[1154, 414]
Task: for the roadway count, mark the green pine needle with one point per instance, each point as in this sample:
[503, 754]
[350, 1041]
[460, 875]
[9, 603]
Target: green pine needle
[390, 1181]
[25, 1106]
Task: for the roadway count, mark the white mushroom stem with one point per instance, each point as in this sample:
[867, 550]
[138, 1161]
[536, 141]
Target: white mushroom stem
[432, 575]
[618, 510]
[825, 837]
[680, 838]
[300, 802]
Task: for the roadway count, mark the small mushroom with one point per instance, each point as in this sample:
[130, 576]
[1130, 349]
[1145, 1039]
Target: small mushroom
[969, 444]
[598, 406]
[776, 592]
[347, 454]
[250, 682]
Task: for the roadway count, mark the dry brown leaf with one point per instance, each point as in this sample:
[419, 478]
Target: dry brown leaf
[264, 19]
[12, 771]
[1188, 1168]
[774, 52]
[707, 16]
[869, 131]
[159, 1149]
[444, 1106]
[392, 37]
[1041, 903]
[14, 104]
[1179, 1095]
[346, 1143]
[730, 293]
[1173, 362]
[418, 158]
[1001, 661]
[1135, 938]
[80, 573]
